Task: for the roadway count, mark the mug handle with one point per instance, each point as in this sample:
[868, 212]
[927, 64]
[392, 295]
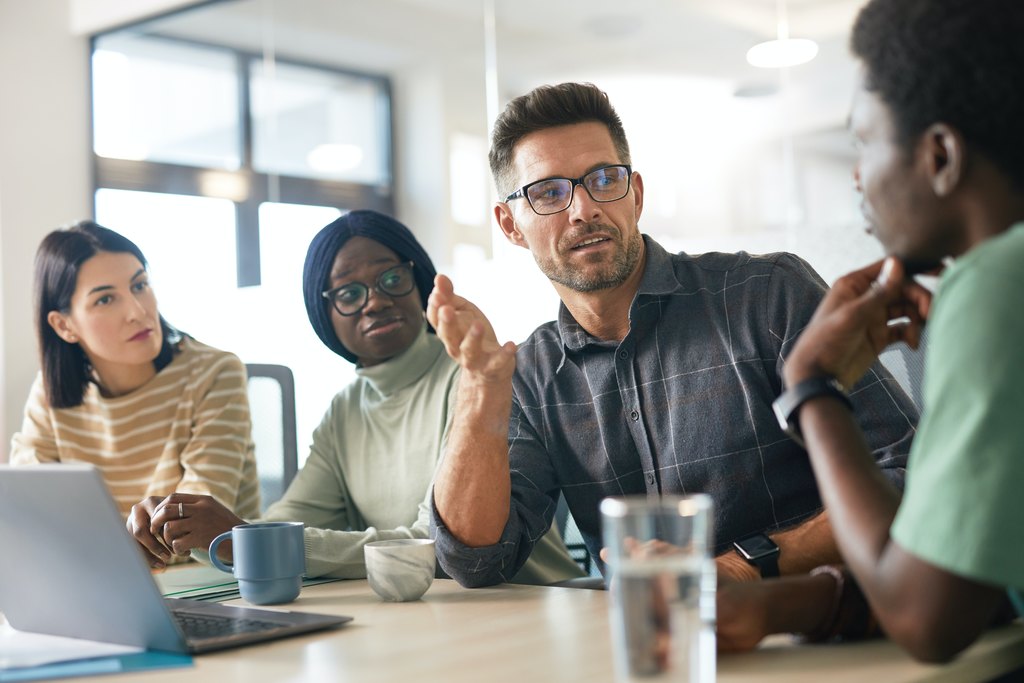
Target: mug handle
[214, 560]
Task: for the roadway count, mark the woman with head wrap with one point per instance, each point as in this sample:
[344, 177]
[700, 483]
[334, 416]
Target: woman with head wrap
[365, 283]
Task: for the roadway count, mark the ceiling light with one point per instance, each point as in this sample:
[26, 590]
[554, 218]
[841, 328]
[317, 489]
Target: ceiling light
[782, 52]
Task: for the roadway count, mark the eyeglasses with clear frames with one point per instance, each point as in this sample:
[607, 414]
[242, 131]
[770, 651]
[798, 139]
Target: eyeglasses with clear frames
[553, 195]
[352, 298]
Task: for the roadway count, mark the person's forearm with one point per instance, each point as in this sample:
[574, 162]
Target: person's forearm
[931, 612]
[861, 502]
[801, 549]
[800, 604]
[749, 611]
[809, 545]
[472, 490]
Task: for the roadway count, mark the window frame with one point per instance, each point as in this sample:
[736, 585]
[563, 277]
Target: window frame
[169, 178]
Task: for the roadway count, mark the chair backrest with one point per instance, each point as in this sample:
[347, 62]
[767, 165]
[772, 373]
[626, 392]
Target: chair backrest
[573, 539]
[272, 405]
[907, 366]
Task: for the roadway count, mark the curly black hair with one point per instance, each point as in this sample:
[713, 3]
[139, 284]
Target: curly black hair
[952, 61]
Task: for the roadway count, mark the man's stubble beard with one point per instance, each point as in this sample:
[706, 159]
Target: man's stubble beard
[616, 272]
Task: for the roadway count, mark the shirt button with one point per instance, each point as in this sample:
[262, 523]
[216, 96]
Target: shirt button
[623, 355]
[634, 415]
[650, 478]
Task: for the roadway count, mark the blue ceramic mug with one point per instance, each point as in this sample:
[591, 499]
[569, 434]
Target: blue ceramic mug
[269, 560]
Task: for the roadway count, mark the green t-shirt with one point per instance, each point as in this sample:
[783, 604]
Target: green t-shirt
[964, 501]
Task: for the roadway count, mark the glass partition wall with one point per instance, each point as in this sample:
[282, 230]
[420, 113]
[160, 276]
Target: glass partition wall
[227, 135]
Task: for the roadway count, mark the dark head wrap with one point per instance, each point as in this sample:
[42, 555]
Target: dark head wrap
[324, 248]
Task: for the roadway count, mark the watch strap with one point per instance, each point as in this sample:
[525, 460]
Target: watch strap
[767, 565]
[788, 404]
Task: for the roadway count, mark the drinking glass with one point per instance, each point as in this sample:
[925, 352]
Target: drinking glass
[662, 582]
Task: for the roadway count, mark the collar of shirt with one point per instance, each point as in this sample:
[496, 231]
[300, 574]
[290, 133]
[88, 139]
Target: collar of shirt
[659, 279]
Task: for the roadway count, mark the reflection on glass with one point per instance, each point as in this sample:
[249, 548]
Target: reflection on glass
[313, 123]
[285, 233]
[161, 100]
[470, 179]
[285, 336]
[190, 244]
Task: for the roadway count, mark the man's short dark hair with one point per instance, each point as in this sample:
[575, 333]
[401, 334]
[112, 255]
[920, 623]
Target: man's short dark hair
[958, 62]
[545, 107]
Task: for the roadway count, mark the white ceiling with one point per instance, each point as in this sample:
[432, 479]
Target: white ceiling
[536, 40]
[715, 164]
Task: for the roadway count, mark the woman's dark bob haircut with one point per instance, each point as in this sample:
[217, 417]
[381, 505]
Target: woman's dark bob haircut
[66, 369]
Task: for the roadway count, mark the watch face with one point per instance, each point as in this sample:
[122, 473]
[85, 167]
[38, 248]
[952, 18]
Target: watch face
[756, 546]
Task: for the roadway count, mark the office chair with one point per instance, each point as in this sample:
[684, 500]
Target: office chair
[272, 405]
[907, 366]
[573, 539]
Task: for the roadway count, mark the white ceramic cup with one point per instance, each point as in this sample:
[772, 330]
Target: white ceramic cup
[402, 569]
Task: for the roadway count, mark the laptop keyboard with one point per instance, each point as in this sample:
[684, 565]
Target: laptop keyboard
[203, 626]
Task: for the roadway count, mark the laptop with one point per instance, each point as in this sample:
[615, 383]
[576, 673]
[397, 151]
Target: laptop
[68, 567]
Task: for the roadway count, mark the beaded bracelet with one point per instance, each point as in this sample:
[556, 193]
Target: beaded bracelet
[829, 626]
[850, 616]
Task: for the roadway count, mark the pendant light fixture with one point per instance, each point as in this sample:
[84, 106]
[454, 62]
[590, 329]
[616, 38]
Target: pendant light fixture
[783, 51]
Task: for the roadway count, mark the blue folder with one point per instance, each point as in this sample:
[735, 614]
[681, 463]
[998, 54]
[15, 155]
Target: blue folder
[140, 661]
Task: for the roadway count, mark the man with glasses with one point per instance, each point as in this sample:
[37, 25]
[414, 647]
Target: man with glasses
[657, 377]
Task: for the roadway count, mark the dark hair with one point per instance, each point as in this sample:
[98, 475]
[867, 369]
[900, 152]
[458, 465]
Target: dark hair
[324, 248]
[545, 107]
[66, 369]
[952, 61]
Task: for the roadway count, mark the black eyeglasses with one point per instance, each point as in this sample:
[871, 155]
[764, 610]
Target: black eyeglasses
[351, 298]
[552, 195]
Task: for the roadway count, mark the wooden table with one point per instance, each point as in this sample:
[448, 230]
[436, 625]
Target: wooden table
[526, 634]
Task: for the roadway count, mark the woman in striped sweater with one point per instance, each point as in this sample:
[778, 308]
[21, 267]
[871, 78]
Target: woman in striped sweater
[121, 389]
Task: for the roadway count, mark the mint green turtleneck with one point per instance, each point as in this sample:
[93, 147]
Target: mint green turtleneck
[369, 472]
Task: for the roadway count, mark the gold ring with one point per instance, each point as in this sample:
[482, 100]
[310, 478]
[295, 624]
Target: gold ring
[181, 510]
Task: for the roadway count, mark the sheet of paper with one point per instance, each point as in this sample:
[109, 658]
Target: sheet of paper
[20, 649]
[204, 582]
[186, 581]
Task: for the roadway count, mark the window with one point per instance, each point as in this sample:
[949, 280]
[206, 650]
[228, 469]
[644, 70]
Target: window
[172, 116]
[190, 245]
[315, 124]
[222, 168]
[156, 100]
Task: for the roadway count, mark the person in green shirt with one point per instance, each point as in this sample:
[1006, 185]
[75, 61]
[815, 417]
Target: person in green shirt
[365, 283]
[941, 169]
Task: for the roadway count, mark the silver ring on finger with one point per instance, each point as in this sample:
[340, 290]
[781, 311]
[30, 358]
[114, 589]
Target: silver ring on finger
[181, 510]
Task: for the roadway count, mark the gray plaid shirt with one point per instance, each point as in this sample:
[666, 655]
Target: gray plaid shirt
[681, 405]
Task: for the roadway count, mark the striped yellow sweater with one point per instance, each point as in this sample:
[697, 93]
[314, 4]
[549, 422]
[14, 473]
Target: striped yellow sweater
[187, 429]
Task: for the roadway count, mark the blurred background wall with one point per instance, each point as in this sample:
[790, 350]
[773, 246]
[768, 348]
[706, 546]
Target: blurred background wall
[222, 135]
